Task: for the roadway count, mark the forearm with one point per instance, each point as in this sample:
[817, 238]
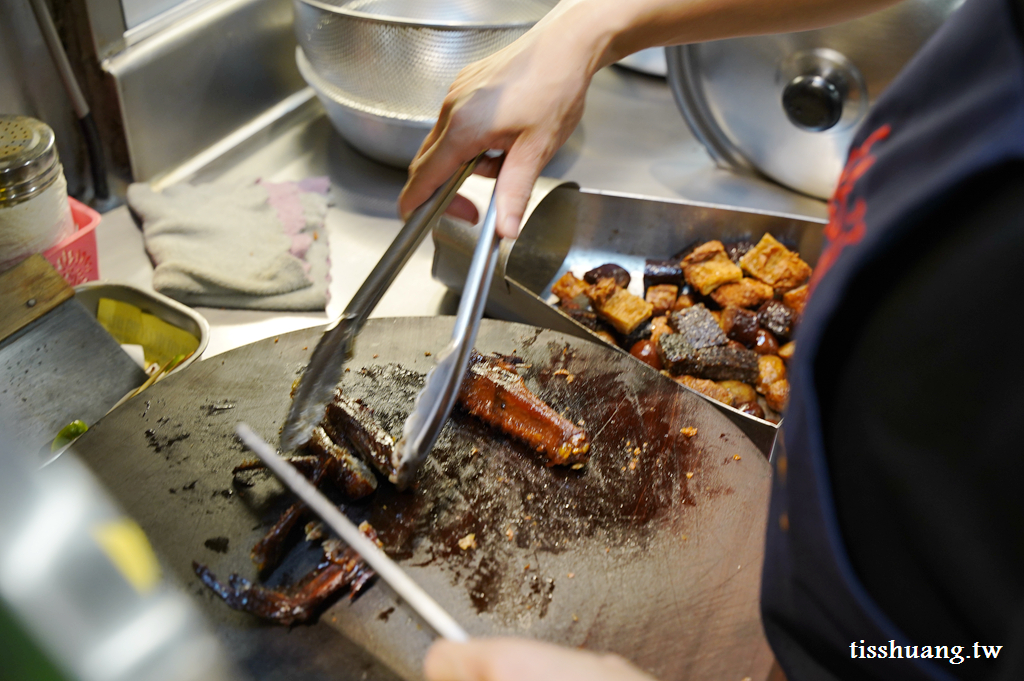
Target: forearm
[609, 30]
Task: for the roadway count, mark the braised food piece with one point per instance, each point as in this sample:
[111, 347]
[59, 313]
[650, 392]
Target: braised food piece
[740, 325]
[741, 392]
[777, 318]
[722, 364]
[355, 422]
[746, 292]
[618, 307]
[659, 326]
[697, 327]
[769, 370]
[752, 408]
[765, 343]
[607, 337]
[707, 267]
[348, 473]
[493, 392]
[787, 350]
[662, 297]
[608, 271]
[737, 249]
[588, 319]
[268, 550]
[705, 387]
[642, 332]
[777, 395]
[797, 298]
[714, 362]
[568, 287]
[340, 568]
[775, 265]
[647, 352]
[684, 301]
[658, 272]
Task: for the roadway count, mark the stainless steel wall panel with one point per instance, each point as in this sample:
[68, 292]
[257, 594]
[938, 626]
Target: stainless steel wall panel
[193, 83]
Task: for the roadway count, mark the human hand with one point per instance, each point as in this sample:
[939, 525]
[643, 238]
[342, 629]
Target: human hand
[512, 659]
[525, 101]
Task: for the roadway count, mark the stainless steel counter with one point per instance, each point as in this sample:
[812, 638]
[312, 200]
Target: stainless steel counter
[632, 139]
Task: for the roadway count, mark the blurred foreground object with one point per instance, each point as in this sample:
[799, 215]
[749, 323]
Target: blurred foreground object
[81, 592]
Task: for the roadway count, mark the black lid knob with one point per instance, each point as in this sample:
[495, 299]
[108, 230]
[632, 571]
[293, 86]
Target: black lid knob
[813, 103]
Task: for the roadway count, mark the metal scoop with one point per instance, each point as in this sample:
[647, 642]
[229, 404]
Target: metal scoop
[323, 373]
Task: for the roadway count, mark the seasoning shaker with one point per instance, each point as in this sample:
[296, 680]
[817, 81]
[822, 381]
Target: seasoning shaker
[34, 209]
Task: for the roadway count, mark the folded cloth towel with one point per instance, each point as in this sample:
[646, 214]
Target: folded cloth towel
[251, 244]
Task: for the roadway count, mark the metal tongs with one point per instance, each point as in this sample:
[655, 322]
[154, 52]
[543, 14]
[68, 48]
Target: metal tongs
[435, 401]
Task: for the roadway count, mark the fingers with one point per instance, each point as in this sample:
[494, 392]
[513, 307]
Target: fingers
[464, 209]
[510, 659]
[519, 172]
[448, 661]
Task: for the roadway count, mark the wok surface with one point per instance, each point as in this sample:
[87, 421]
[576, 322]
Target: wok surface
[628, 554]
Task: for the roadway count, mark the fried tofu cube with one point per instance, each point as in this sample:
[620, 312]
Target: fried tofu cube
[568, 287]
[618, 307]
[684, 301]
[662, 297]
[797, 298]
[775, 265]
[708, 266]
[706, 388]
[744, 293]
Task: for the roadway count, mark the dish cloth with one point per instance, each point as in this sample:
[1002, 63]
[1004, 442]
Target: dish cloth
[240, 244]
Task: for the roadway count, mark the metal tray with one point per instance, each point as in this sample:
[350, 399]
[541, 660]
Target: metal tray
[150, 302]
[569, 228]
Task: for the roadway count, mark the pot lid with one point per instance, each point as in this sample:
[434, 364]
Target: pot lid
[787, 106]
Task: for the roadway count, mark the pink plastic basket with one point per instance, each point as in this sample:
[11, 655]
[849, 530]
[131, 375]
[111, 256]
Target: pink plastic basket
[76, 257]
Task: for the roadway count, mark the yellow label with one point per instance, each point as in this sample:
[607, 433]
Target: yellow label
[128, 549]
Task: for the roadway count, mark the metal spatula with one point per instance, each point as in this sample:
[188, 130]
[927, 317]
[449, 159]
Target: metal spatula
[437, 398]
[327, 363]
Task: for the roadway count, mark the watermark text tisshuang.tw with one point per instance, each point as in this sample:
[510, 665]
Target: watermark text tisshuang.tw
[952, 654]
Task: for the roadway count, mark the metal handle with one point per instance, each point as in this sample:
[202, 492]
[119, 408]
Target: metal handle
[814, 102]
[402, 248]
[437, 398]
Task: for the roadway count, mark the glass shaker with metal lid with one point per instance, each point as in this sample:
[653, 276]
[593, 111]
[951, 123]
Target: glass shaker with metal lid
[34, 210]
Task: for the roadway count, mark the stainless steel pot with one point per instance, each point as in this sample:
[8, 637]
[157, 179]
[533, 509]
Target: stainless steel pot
[787, 106]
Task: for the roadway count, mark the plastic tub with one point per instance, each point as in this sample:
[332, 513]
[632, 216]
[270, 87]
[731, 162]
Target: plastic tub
[76, 257]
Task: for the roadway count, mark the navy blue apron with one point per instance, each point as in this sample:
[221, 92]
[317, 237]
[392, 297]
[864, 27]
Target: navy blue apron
[957, 109]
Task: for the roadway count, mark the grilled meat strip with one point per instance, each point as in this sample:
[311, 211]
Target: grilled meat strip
[267, 551]
[494, 393]
[355, 421]
[349, 474]
[340, 568]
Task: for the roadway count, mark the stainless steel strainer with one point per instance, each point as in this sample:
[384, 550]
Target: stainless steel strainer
[398, 57]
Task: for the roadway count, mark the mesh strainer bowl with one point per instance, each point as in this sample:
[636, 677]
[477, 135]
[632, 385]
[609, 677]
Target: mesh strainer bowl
[395, 59]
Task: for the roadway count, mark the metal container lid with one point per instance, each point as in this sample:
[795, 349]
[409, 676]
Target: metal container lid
[28, 158]
[787, 106]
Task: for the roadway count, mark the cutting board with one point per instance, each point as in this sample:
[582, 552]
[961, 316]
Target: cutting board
[653, 550]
